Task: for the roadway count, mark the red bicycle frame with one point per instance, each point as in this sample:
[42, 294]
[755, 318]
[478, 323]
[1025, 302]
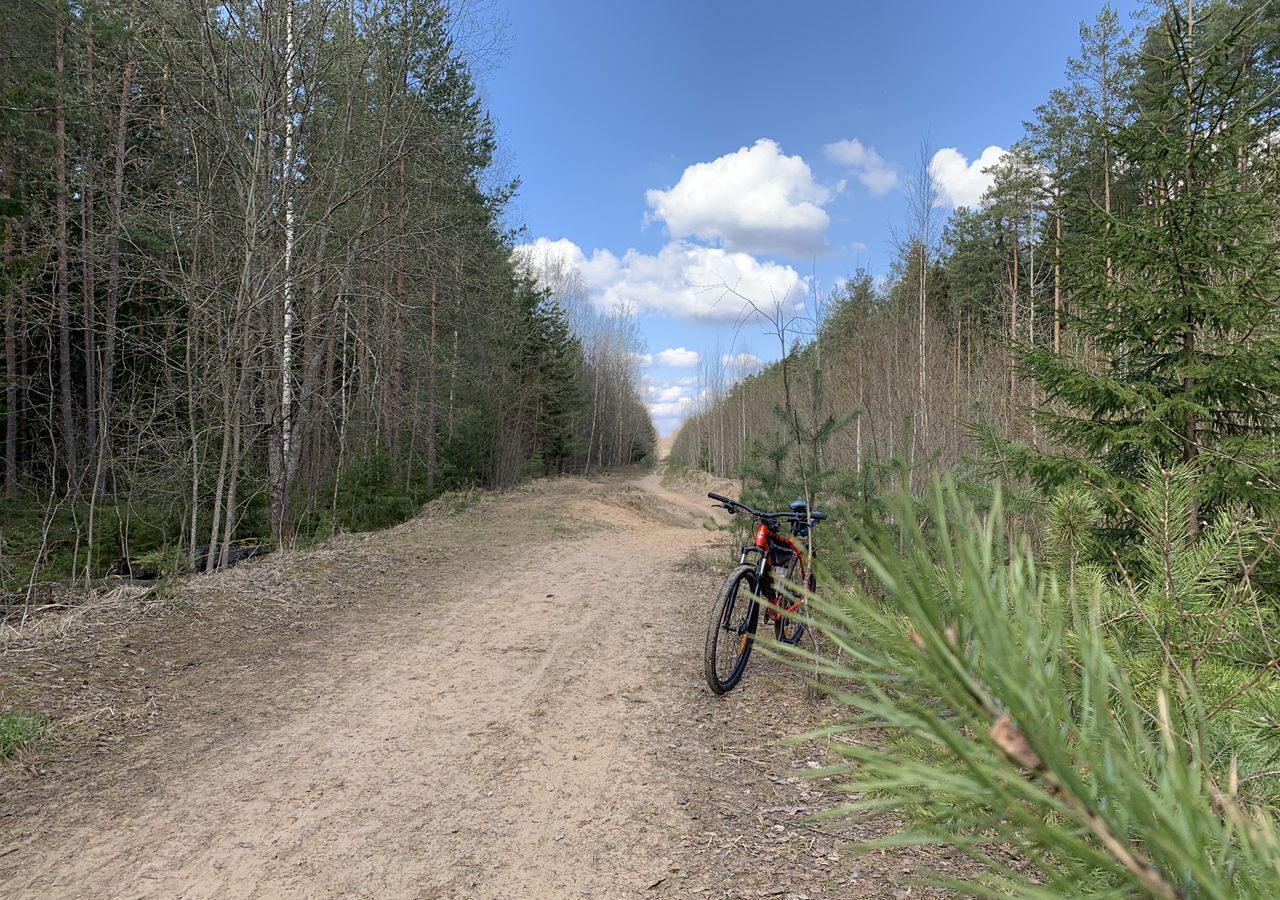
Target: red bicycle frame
[777, 551]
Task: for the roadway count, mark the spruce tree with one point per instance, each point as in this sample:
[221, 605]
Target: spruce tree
[1175, 295]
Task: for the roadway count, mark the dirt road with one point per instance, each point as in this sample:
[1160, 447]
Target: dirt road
[508, 705]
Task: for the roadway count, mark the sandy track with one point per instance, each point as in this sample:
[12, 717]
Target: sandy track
[488, 742]
[507, 702]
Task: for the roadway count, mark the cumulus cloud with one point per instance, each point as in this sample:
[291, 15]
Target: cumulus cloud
[756, 199]
[547, 260]
[678, 358]
[539, 255]
[673, 410]
[704, 284]
[960, 182]
[742, 362]
[667, 394]
[670, 400]
[687, 281]
[875, 174]
[555, 265]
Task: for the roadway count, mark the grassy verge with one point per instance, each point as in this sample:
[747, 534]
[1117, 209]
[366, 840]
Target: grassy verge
[45, 540]
[19, 732]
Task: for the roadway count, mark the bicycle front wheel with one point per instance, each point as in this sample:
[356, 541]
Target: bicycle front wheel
[731, 630]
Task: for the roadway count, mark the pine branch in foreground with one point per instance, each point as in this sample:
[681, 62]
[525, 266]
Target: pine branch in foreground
[1003, 716]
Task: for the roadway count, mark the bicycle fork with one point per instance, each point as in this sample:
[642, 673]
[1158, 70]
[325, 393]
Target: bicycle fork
[762, 573]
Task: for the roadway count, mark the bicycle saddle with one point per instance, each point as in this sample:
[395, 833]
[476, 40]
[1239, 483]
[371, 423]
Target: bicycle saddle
[799, 506]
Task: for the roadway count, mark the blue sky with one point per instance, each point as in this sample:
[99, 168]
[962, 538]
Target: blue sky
[670, 148]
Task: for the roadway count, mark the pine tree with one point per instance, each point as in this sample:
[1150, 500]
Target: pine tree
[1057, 711]
[1056, 138]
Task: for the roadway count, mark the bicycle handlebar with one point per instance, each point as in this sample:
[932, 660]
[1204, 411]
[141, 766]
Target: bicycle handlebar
[731, 505]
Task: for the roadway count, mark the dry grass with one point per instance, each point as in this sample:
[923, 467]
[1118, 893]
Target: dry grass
[38, 624]
[697, 482]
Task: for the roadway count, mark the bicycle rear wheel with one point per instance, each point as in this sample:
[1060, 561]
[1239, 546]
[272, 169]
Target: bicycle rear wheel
[791, 599]
[731, 630]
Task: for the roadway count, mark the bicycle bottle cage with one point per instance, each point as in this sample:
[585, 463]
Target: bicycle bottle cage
[781, 555]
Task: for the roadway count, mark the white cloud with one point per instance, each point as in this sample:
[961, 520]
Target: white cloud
[669, 400]
[673, 409]
[756, 199]
[546, 259]
[704, 284]
[960, 182]
[682, 280]
[536, 255]
[668, 394]
[742, 362]
[876, 175]
[678, 358]
[556, 266]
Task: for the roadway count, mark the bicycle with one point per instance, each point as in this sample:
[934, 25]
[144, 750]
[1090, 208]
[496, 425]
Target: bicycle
[777, 581]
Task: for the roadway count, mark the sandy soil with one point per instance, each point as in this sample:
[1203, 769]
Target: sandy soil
[507, 704]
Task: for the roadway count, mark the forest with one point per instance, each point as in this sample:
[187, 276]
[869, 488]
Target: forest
[258, 285]
[1052, 433]
[263, 282]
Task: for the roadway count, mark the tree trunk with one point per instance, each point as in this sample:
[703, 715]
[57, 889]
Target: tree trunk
[193, 435]
[395, 334]
[62, 296]
[10, 370]
[1104, 88]
[115, 229]
[229, 513]
[923, 288]
[958, 388]
[282, 481]
[1057, 281]
[1013, 325]
[88, 264]
[210, 561]
[433, 446]
[1191, 438]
